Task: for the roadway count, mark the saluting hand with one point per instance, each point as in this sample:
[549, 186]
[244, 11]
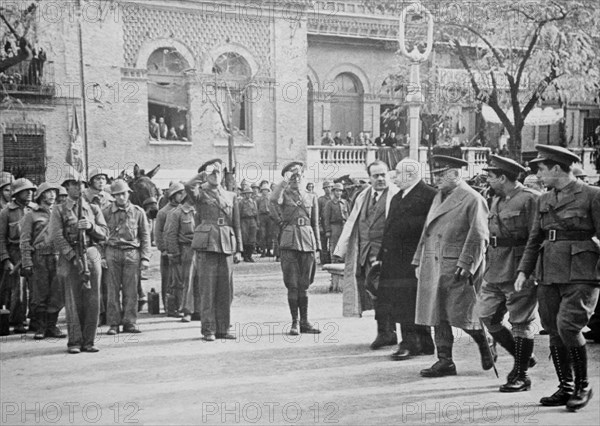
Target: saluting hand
[520, 281]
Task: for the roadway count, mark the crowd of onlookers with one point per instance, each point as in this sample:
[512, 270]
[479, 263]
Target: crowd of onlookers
[390, 139]
[30, 72]
[162, 131]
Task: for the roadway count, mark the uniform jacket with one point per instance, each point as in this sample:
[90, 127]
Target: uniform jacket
[63, 226]
[322, 201]
[100, 198]
[455, 235]
[509, 219]
[263, 203]
[35, 234]
[566, 261]
[298, 217]
[335, 215]
[249, 220]
[128, 228]
[159, 226]
[10, 227]
[179, 229]
[347, 248]
[218, 214]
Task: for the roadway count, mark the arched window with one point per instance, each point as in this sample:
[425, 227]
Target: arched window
[234, 75]
[168, 102]
[347, 105]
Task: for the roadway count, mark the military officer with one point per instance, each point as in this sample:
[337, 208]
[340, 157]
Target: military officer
[325, 245]
[568, 269]
[14, 291]
[39, 258]
[5, 195]
[334, 215]
[266, 225]
[127, 251]
[82, 297]
[178, 236]
[299, 240]
[175, 194]
[218, 243]
[249, 221]
[511, 216]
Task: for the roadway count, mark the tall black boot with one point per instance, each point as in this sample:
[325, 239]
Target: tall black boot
[51, 329]
[563, 367]
[507, 341]
[583, 390]
[293, 304]
[42, 321]
[486, 350]
[520, 381]
[249, 252]
[305, 326]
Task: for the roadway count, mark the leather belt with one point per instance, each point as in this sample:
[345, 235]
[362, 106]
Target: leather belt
[560, 235]
[506, 242]
[303, 221]
[219, 222]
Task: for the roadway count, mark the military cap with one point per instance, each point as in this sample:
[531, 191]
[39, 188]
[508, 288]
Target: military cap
[326, 184]
[119, 186]
[558, 154]
[5, 179]
[21, 184]
[210, 163]
[72, 176]
[578, 172]
[290, 166]
[372, 280]
[45, 187]
[441, 163]
[174, 189]
[265, 185]
[62, 192]
[503, 164]
[337, 187]
[96, 171]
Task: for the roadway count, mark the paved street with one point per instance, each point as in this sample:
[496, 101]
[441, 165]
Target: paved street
[168, 375]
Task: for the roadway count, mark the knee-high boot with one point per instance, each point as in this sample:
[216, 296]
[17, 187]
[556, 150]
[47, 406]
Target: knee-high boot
[563, 367]
[583, 390]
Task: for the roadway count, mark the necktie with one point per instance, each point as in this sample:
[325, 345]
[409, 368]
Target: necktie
[375, 198]
[401, 193]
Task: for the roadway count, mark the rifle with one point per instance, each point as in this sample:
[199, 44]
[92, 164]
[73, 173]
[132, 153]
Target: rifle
[84, 271]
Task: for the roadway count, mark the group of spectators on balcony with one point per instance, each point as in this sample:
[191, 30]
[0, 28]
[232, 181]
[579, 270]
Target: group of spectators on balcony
[386, 139]
[29, 72]
[161, 131]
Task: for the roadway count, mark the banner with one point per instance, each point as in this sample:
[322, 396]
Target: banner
[75, 153]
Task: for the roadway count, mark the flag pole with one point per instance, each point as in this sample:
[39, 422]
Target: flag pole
[83, 102]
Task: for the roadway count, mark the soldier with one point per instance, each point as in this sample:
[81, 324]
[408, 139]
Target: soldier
[39, 258]
[174, 195]
[14, 290]
[82, 297]
[325, 245]
[5, 196]
[249, 221]
[178, 236]
[62, 195]
[255, 187]
[218, 243]
[127, 251]
[299, 222]
[266, 225]
[568, 269]
[450, 262]
[511, 216]
[334, 216]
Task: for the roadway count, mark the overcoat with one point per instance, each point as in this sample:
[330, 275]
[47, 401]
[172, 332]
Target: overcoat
[347, 249]
[455, 235]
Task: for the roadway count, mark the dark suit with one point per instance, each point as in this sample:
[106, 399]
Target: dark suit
[397, 292]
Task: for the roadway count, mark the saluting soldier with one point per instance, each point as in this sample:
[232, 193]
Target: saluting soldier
[298, 242]
[568, 269]
[322, 201]
[82, 298]
[127, 251]
[14, 290]
[5, 194]
[512, 213]
[335, 215]
[249, 220]
[218, 243]
[266, 224]
[175, 195]
[178, 236]
[39, 263]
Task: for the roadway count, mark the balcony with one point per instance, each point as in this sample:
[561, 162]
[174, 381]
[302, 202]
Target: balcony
[28, 79]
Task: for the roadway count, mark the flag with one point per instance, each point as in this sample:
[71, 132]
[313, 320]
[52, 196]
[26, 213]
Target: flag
[75, 152]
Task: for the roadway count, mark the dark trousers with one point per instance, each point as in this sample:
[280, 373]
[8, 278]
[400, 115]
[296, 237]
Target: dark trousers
[122, 278]
[164, 278]
[82, 305]
[13, 293]
[184, 283]
[565, 309]
[298, 269]
[325, 254]
[47, 294]
[215, 278]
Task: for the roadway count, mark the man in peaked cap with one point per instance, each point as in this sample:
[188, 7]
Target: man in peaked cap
[175, 194]
[82, 299]
[218, 243]
[512, 213]
[249, 222]
[14, 294]
[450, 262]
[567, 219]
[39, 263]
[323, 200]
[5, 195]
[298, 218]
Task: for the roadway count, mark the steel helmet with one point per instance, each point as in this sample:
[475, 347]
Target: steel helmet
[72, 175]
[96, 171]
[174, 189]
[5, 179]
[119, 186]
[43, 188]
[22, 184]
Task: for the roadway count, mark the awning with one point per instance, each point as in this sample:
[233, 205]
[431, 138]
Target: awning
[537, 116]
